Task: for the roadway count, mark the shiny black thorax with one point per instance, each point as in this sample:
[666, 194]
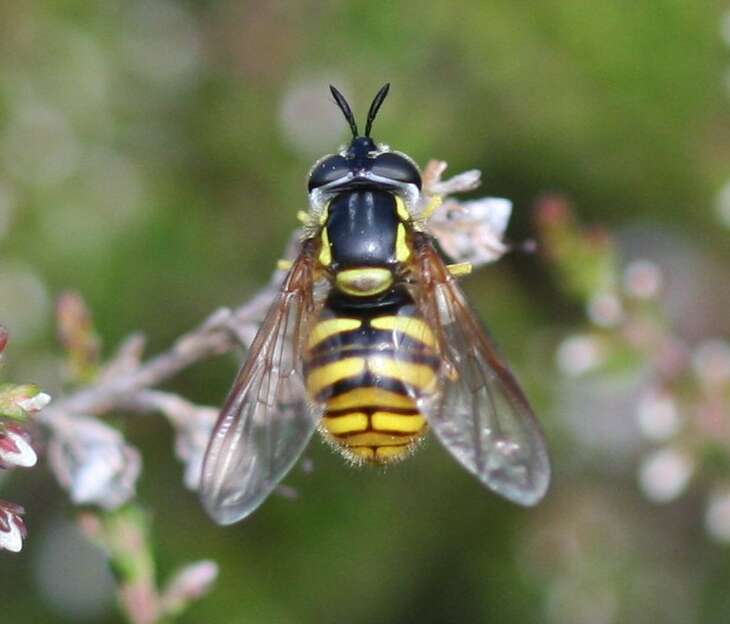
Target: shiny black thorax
[361, 227]
[363, 236]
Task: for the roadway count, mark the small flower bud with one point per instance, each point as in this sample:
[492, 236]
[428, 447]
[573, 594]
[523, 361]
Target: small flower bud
[34, 404]
[717, 515]
[722, 203]
[579, 354]
[3, 338]
[552, 210]
[605, 309]
[18, 402]
[711, 361]
[76, 333]
[190, 583]
[642, 279]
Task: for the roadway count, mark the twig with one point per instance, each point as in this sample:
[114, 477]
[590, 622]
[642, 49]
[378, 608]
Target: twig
[222, 331]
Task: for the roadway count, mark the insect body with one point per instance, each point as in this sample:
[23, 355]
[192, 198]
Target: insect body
[371, 364]
[372, 341]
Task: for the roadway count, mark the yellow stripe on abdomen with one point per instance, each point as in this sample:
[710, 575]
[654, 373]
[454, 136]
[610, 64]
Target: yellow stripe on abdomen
[371, 372]
[329, 374]
[402, 423]
[346, 423]
[370, 397]
[330, 327]
[413, 327]
[420, 376]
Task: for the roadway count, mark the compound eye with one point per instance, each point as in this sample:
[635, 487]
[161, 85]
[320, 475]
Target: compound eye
[328, 170]
[396, 167]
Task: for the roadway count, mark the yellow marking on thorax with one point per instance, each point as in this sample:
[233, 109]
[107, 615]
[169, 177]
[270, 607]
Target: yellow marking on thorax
[401, 210]
[348, 423]
[330, 327]
[420, 376]
[402, 249]
[413, 327]
[364, 282]
[369, 397]
[325, 254]
[329, 374]
[387, 421]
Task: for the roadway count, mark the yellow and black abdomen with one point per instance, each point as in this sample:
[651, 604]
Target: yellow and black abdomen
[370, 365]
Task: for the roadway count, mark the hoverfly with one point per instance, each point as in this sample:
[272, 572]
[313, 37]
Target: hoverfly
[372, 342]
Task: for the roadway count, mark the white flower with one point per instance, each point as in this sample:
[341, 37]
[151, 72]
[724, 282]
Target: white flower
[35, 403]
[472, 231]
[11, 540]
[657, 415]
[15, 450]
[94, 481]
[12, 527]
[642, 279]
[711, 361]
[664, 474]
[579, 354]
[605, 309]
[93, 462]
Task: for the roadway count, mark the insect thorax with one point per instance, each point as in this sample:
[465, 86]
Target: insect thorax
[363, 240]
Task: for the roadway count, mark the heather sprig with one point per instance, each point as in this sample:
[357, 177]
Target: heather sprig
[680, 393]
[18, 403]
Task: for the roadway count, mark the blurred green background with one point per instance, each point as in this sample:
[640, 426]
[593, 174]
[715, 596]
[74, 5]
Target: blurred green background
[153, 156]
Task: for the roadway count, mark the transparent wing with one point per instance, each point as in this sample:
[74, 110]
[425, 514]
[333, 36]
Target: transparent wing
[479, 412]
[267, 420]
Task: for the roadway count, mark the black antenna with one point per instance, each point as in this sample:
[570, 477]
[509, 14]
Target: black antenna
[346, 110]
[377, 101]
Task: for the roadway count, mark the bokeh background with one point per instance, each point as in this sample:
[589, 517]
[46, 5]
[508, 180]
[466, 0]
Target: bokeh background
[153, 156]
